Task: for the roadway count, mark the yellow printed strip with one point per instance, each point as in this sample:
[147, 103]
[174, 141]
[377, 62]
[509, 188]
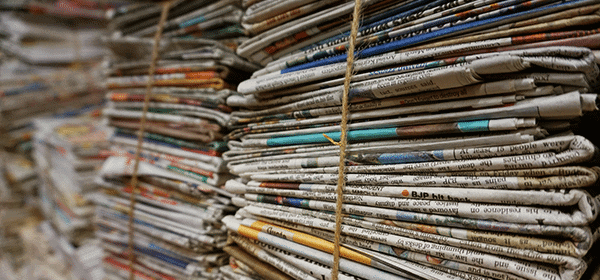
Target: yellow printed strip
[309, 240]
[248, 232]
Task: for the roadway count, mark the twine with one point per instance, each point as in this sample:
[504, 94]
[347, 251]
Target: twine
[344, 140]
[138, 149]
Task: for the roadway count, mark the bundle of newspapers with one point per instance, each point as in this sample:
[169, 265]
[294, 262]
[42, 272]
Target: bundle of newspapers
[51, 39]
[18, 189]
[178, 233]
[18, 183]
[28, 251]
[48, 70]
[69, 153]
[462, 162]
[216, 20]
[55, 92]
[50, 50]
[44, 257]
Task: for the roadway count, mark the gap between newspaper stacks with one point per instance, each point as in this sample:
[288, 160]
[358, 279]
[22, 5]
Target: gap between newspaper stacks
[138, 149]
[344, 140]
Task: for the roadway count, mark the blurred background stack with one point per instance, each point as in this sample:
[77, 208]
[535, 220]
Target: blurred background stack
[68, 153]
[50, 72]
[51, 67]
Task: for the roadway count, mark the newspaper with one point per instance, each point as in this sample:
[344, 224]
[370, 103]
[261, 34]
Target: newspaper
[237, 270]
[322, 191]
[117, 166]
[235, 155]
[362, 269]
[276, 80]
[417, 246]
[581, 150]
[518, 251]
[361, 198]
[282, 31]
[398, 132]
[226, 15]
[565, 106]
[448, 31]
[188, 228]
[391, 33]
[308, 265]
[264, 270]
[521, 87]
[68, 154]
[266, 9]
[43, 93]
[218, 117]
[258, 27]
[545, 26]
[374, 12]
[263, 255]
[520, 214]
[575, 246]
[488, 158]
[584, 10]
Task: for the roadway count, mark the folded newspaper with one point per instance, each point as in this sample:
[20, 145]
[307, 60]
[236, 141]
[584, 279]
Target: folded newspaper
[462, 161]
[69, 153]
[180, 200]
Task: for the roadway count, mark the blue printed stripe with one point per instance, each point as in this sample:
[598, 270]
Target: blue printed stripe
[474, 126]
[397, 13]
[190, 22]
[392, 46]
[354, 135]
[396, 158]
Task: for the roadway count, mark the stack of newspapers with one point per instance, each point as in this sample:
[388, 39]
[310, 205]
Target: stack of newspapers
[69, 153]
[14, 174]
[216, 20]
[89, 10]
[41, 75]
[51, 38]
[50, 50]
[44, 256]
[28, 251]
[48, 69]
[18, 183]
[34, 92]
[178, 233]
[462, 162]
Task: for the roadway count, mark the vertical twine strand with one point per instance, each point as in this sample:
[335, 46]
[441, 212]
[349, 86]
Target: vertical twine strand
[344, 140]
[134, 177]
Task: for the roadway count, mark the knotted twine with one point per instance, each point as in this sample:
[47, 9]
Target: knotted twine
[344, 140]
[134, 176]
